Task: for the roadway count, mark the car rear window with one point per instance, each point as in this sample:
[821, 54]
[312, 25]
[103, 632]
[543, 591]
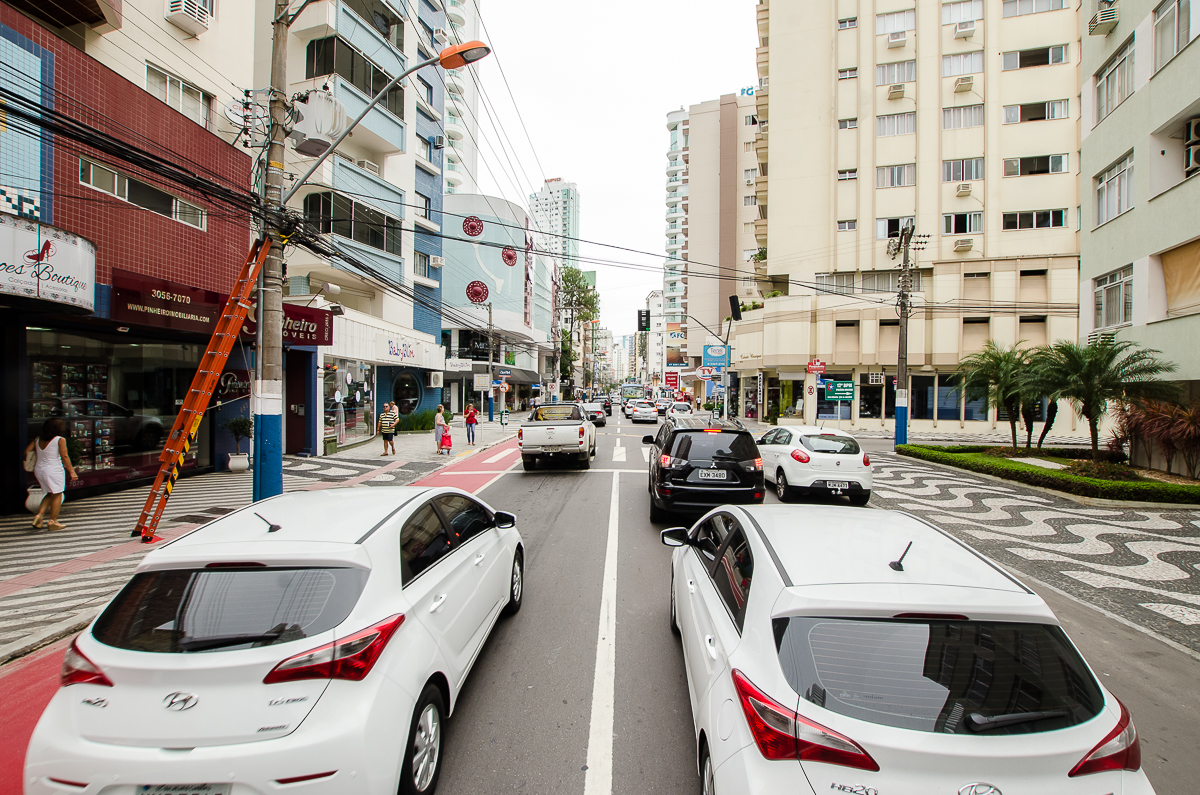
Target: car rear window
[197, 610]
[559, 411]
[933, 676]
[593, 407]
[830, 443]
[701, 443]
[682, 407]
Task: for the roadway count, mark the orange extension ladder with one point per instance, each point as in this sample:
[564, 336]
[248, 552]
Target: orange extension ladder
[183, 433]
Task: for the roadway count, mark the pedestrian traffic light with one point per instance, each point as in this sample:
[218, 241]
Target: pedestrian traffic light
[643, 323]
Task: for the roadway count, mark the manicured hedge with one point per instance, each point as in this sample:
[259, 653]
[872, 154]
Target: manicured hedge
[1144, 491]
[1073, 453]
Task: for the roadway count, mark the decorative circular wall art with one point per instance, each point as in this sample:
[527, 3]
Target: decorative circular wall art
[477, 292]
[509, 255]
[473, 226]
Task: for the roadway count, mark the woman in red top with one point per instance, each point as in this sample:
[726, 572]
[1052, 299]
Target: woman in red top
[471, 417]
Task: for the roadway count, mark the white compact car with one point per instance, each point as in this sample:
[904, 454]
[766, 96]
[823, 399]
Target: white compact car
[643, 411]
[805, 459]
[834, 650]
[315, 641]
[680, 410]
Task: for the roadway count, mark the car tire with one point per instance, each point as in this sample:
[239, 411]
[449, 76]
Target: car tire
[674, 619]
[424, 741]
[528, 463]
[516, 585]
[782, 490]
[585, 461]
[656, 514]
[860, 498]
[708, 784]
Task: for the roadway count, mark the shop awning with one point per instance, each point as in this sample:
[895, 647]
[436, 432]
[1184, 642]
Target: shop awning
[517, 375]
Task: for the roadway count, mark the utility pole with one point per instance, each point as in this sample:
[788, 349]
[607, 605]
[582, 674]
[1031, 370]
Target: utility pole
[904, 304]
[268, 386]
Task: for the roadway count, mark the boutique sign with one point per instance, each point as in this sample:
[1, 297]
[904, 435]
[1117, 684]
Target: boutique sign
[43, 263]
[394, 348]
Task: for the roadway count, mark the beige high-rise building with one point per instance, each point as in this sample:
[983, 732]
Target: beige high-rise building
[962, 118]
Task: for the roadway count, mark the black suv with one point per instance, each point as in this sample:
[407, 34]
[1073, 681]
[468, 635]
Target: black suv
[607, 402]
[697, 464]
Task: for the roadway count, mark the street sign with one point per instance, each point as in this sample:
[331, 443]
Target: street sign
[504, 387]
[705, 373]
[839, 390]
[503, 372]
[483, 382]
[816, 366]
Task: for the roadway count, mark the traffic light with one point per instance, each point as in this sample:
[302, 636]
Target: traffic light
[643, 323]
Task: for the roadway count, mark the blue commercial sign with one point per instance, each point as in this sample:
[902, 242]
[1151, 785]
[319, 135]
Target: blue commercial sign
[716, 356]
[503, 371]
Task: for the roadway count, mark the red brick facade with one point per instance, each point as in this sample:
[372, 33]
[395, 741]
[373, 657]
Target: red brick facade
[127, 236]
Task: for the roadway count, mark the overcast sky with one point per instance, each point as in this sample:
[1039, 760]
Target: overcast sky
[594, 82]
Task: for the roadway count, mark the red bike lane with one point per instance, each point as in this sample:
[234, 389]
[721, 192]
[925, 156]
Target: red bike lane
[28, 683]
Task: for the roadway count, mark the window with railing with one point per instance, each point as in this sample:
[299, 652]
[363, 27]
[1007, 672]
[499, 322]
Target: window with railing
[1114, 298]
[333, 213]
[333, 55]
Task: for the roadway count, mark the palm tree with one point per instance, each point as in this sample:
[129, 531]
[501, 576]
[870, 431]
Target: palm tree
[994, 375]
[1037, 385]
[1106, 371]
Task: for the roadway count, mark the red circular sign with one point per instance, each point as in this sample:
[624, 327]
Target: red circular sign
[477, 292]
[473, 226]
[509, 255]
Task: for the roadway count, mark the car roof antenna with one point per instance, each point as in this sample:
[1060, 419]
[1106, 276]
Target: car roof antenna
[271, 526]
[898, 565]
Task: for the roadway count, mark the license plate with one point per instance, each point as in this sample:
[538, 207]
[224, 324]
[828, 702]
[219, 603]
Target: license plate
[711, 474]
[837, 484]
[551, 449]
[184, 789]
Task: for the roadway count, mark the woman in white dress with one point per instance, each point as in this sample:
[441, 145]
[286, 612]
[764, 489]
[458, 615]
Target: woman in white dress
[53, 466]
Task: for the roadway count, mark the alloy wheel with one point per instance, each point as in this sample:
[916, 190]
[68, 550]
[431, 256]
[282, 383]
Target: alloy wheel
[710, 786]
[517, 583]
[781, 485]
[427, 746]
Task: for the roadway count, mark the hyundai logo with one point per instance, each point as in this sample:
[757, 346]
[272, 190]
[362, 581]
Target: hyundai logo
[979, 789]
[181, 701]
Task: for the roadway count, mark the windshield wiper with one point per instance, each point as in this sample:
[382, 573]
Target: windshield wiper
[220, 641]
[725, 457]
[977, 722]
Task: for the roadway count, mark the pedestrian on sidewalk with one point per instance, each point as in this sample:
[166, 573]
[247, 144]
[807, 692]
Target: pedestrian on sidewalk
[387, 427]
[471, 418]
[53, 466]
[439, 427]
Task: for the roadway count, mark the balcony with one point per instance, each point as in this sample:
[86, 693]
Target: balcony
[380, 130]
[453, 174]
[674, 228]
[455, 12]
[674, 181]
[102, 16]
[677, 167]
[1105, 19]
[454, 81]
[674, 213]
[762, 56]
[455, 130]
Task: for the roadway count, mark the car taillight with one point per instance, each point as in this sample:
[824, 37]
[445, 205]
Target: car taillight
[520, 434]
[79, 670]
[782, 734]
[351, 657]
[800, 456]
[670, 462]
[1119, 750]
[580, 431]
[866, 460]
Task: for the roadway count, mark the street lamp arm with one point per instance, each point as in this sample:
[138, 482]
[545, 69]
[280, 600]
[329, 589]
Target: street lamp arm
[724, 339]
[346, 132]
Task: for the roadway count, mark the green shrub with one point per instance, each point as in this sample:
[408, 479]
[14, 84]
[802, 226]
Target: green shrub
[241, 428]
[417, 421]
[1059, 480]
[1073, 453]
[1102, 470]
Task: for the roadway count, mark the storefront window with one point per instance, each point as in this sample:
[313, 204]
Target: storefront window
[870, 398]
[975, 410]
[119, 399]
[773, 396]
[751, 400]
[829, 409]
[948, 396]
[921, 397]
[349, 400]
[407, 393]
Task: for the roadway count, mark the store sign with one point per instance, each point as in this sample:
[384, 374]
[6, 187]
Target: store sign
[672, 380]
[458, 365]
[396, 348]
[233, 384]
[816, 366]
[46, 264]
[716, 356]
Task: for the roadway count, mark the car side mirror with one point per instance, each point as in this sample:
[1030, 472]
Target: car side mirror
[504, 520]
[676, 537]
[761, 441]
[647, 439]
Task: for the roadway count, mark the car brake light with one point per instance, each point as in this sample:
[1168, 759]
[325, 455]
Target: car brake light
[1119, 750]
[932, 616]
[866, 460]
[77, 669]
[800, 456]
[712, 430]
[782, 734]
[757, 463]
[520, 434]
[580, 431]
[351, 657]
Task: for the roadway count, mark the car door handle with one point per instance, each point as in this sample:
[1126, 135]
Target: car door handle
[479, 558]
[692, 586]
[710, 646]
[437, 603]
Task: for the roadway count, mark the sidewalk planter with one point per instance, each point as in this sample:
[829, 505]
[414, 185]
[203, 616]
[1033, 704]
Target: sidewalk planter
[239, 462]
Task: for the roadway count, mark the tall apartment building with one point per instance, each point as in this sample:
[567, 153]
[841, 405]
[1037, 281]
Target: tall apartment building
[555, 210]
[462, 103]
[961, 118]
[656, 341]
[711, 209]
[1140, 241]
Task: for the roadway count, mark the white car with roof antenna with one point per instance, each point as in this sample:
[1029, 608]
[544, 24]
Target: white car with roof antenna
[316, 638]
[884, 658]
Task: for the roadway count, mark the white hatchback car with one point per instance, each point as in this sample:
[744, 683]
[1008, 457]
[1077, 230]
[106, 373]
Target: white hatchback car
[315, 640]
[680, 410]
[643, 411]
[885, 657]
[805, 459]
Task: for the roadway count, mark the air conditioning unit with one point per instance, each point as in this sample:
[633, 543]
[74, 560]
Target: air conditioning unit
[964, 189]
[367, 165]
[1096, 336]
[1191, 160]
[187, 15]
[439, 142]
[964, 30]
[437, 262]
[750, 182]
[435, 380]
[439, 35]
[897, 39]
[896, 91]
[1191, 132]
[962, 84]
[964, 244]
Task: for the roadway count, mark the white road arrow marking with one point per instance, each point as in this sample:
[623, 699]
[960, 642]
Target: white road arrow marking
[500, 455]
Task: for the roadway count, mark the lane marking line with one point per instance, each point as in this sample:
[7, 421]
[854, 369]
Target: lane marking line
[598, 778]
[618, 454]
[501, 455]
[646, 454]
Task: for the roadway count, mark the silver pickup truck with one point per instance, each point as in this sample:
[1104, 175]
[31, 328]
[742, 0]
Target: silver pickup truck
[557, 430]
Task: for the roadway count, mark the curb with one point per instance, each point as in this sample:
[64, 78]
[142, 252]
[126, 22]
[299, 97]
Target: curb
[1096, 502]
[47, 635]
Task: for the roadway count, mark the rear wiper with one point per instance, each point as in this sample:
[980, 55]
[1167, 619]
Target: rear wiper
[977, 722]
[220, 641]
[724, 457]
